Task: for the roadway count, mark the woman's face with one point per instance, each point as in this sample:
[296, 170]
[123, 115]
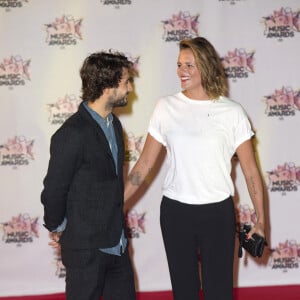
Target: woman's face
[187, 71]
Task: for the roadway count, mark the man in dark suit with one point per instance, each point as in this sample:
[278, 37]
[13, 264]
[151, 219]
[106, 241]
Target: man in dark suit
[83, 188]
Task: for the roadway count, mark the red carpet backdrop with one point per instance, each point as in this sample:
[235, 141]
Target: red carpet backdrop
[43, 44]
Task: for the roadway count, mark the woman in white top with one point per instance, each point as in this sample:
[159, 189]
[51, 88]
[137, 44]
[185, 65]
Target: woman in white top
[201, 130]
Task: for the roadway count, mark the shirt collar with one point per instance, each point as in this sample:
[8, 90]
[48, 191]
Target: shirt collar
[105, 121]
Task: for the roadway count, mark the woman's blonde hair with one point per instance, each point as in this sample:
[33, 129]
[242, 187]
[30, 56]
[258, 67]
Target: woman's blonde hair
[209, 64]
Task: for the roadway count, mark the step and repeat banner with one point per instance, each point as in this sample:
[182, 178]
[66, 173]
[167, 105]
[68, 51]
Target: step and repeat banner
[43, 44]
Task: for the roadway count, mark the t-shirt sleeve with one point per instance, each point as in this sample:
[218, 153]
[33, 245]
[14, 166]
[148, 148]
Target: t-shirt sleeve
[243, 130]
[155, 128]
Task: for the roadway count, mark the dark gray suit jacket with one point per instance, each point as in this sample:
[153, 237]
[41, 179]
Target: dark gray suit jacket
[82, 185]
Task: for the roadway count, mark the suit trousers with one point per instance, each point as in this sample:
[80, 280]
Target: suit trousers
[91, 274]
[199, 235]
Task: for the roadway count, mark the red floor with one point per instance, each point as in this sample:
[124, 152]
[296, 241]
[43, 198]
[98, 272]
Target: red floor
[291, 292]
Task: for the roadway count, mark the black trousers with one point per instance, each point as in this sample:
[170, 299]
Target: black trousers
[206, 229]
[91, 274]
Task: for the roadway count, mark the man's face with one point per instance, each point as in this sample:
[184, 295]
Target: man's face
[119, 95]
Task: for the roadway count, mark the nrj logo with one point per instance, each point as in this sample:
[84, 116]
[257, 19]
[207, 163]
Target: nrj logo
[21, 229]
[14, 71]
[285, 178]
[116, 3]
[64, 31]
[135, 223]
[282, 103]
[245, 214]
[17, 151]
[286, 256]
[238, 63]
[62, 109]
[283, 23]
[135, 61]
[134, 147]
[180, 26]
[12, 3]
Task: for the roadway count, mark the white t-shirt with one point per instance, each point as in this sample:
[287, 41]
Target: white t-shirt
[201, 137]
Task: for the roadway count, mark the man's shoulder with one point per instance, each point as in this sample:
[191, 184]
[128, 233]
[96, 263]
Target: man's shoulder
[73, 126]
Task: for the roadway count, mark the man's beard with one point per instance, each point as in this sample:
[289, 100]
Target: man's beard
[120, 102]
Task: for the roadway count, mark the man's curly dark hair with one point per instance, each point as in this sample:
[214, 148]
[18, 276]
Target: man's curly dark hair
[102, 70]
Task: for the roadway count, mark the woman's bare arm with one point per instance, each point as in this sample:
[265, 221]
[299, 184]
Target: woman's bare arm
[143, 166]
[254, 183]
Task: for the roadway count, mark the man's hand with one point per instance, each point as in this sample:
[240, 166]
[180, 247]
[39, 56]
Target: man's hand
[55, 236]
